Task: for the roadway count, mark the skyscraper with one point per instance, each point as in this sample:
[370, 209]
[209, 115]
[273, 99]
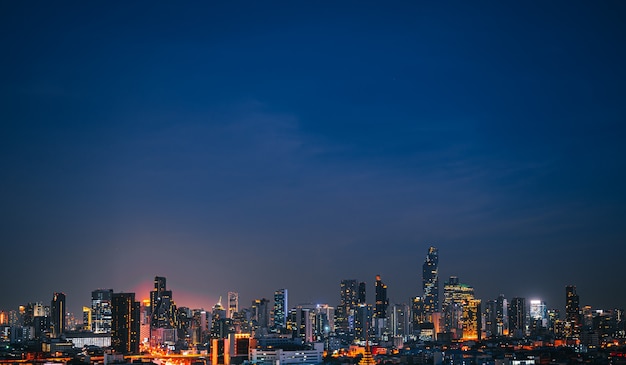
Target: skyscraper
[101, 310]
[517, 317]
[417, 310]
[362, 297]
[363, 322]
[162, 307]
[400, 320]
[281, 309]
[380, 309]
[462, 312]
[382, 302]
[573, 320]
[125, 323]
[57, 315]
[261, 315]
[430, 283]
[538, 313]
[348, 298]
[233, 303]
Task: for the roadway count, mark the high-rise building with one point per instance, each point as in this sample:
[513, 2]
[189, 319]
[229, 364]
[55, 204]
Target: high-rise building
[281, 309]
[461, 311]
[101, 310]
[233, 304]
[87, 318]
[125, 323]
[401, 320]
[348, 300]
[430, 283]
[417, 310]
[363, 322]
[380, 322]
[555, 324]
[219, 321]
[304, 323]
[325, 321]
[496, 317]
[57, 315]
[538, 315]
[382, 302]
[162, 306]
[362, 296]
[502, 316]
[573, 320]
[517, 317]
[260, 315]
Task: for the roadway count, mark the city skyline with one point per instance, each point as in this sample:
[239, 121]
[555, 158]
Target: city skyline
[251, 147]
[151, 295]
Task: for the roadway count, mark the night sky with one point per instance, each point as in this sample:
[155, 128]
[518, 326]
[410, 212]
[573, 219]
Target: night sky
[251, 146]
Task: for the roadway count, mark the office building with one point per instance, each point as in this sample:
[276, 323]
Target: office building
[380, 309]
[125, 323]
[233, 304]
[538, 314]
[162, 306]
[461, 311]
[517, 317]
[573, 320]
[382, 302]
[260, 313]
[362, 294]
[57, 315]
[281, 309]
[401, 320]
[430, 283]
[363, 316]
[348, 298]
[101, 310]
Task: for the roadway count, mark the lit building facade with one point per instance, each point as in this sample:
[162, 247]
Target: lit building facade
[101, 310]
[281, 308]
[380, 308]
[461, 311]
[538, 313]
[125, 323]
[517, 317]
[162, 306]
[430, 283]
[233, 304]
[401, 320]
[348, 299]
[363, 322]
[260, 316]
[57, 315]
[573, 320]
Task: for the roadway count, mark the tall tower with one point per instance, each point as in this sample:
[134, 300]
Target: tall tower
[161, 305]
[380, 309]
[362, 297]
[101, 310]
[125, 323]
[502, 316]
[430, 283]
[57, 314]
[517, 317]
[382, 302]
[261, 315]
[281, 310]
[538, 316]
[572, 312]
[462, 312]
[233, 303]
[348, 298]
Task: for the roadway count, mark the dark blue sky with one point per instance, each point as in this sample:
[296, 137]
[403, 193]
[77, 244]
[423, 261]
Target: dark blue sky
[251, 146]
